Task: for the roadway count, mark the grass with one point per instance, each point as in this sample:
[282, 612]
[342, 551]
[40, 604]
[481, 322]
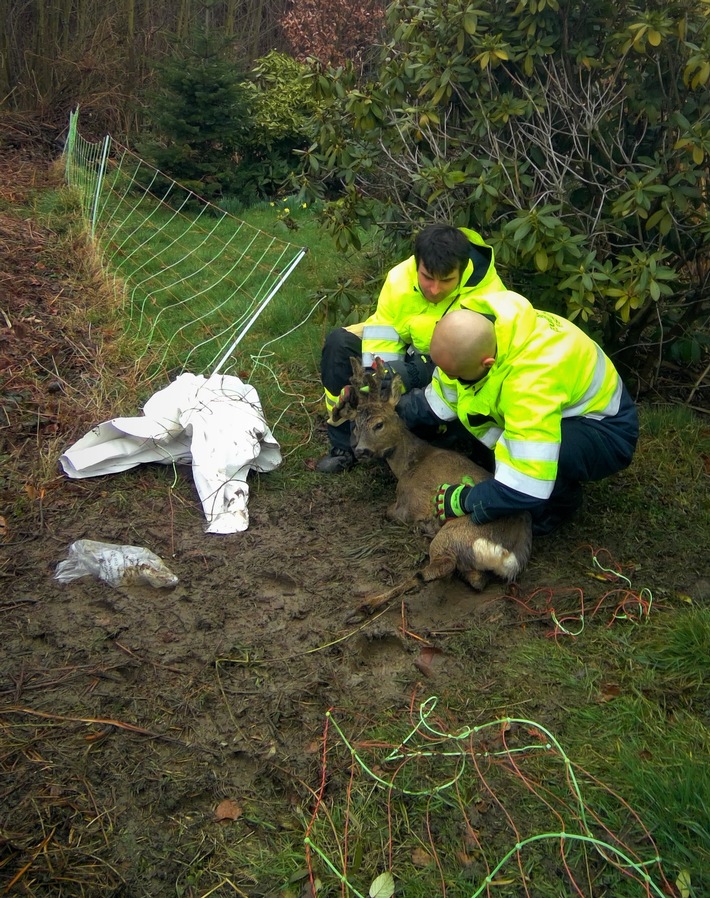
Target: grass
[449, 802]
[635, 716]
[169, 329]
[194, 276]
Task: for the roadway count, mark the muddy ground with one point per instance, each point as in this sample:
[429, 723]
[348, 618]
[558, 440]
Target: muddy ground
[129, 714]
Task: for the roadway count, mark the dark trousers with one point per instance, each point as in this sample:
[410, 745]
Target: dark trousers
[590, 450]
[335, 372]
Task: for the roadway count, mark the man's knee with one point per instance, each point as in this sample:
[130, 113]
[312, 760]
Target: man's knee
[339, 341]
[339, 347]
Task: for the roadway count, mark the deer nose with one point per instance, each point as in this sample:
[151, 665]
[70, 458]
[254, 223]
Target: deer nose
[362, 453]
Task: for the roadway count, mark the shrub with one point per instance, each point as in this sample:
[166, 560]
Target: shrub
[280, 103]
[575, 136]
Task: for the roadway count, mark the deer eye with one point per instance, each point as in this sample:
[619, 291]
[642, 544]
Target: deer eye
[379, 425]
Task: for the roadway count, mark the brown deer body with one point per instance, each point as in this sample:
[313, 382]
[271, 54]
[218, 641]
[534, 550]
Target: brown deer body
[476, 551]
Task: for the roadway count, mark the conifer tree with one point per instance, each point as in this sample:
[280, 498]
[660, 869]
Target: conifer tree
[198, 118]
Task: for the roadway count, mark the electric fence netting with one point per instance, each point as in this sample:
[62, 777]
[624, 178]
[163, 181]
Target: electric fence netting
[459, 790]
[195, 278]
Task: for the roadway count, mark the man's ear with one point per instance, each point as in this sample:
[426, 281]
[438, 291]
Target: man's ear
[488, 363]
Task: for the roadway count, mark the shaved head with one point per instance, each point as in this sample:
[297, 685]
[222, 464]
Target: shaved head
[464, 344]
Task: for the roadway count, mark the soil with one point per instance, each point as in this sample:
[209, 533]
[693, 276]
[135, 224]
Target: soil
[129, 715]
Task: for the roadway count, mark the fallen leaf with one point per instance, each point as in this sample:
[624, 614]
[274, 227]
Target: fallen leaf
[603, 577]
[4, 529]
[427, 656]
[608, 692]
[310, 889]
[227, 810]
[382, 886]
[421, 857]
[683, 883]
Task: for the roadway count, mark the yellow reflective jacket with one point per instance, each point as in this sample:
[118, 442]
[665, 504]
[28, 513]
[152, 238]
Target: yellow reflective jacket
[546, 369]
[404, 318]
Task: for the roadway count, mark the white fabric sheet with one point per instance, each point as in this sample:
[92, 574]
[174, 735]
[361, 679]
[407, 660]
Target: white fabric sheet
[214, 424]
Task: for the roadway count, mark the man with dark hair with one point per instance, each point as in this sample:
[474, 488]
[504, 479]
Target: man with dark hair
[449, 265]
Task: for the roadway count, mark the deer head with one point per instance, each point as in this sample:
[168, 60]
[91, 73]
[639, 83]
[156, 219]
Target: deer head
[371, 406]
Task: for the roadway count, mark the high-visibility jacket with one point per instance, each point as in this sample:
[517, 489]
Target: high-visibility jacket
[545, 369]
[404, 320]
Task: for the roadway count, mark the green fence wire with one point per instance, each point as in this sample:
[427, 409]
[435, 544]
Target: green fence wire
[194, 277]
[496, 809]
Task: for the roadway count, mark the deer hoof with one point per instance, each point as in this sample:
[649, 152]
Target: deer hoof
[356, 616]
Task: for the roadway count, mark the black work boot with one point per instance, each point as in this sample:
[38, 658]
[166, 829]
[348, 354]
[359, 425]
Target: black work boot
[560, 508]
[336, 461]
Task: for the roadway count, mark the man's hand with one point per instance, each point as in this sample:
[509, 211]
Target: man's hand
[450, 501]
[346, 401]
[347, 395]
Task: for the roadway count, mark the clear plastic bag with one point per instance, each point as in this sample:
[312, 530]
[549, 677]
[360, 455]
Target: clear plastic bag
[115, 565]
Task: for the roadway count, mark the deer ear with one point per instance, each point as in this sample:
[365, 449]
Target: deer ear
[396, 390]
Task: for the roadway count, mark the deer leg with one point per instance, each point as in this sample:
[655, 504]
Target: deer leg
[476, 579]
[375, 602]
[439, 566]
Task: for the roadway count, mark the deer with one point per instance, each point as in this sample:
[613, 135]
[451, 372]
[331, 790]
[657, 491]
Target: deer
[500, 548]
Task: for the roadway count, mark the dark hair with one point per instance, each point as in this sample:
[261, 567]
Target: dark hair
[442, 248]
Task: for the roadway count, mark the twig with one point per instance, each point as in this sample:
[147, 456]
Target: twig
[697, 385]
[105, 721]
[20, 873]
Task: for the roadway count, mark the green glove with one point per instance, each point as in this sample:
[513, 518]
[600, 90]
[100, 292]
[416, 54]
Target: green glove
[347, 400]
[347, 393]
[450, 501]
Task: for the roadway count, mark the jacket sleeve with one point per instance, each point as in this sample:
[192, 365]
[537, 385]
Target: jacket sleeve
[491, 500]
[414, 409]
[380, 337]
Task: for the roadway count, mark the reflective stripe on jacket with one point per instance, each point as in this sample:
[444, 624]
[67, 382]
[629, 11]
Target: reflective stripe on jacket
[404, 318]
[545, 369]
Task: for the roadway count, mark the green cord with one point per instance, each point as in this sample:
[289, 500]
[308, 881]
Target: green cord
[426, 709]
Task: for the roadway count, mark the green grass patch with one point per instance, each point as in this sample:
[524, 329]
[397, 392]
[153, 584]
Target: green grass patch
[196, 277]
[631, 707]
[500, 803]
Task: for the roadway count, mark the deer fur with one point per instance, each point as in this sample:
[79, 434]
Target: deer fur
[501, 548]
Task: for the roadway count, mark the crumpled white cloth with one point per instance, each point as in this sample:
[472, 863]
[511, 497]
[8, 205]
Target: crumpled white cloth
[216, 424]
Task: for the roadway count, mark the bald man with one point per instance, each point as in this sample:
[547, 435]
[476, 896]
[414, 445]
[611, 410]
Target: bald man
[539, 393]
